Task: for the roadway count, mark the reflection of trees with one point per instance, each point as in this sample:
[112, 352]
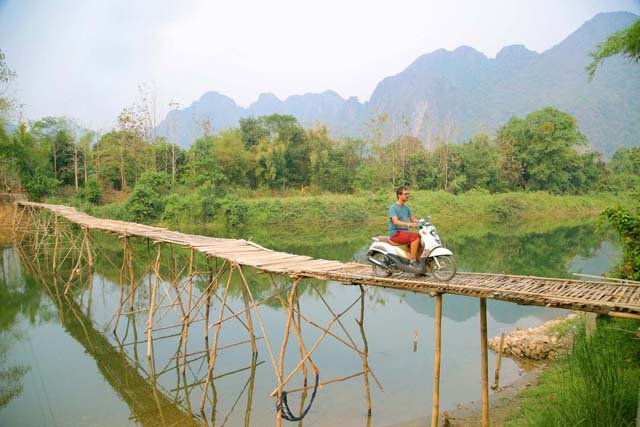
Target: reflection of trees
[539, 254]
[21, 299]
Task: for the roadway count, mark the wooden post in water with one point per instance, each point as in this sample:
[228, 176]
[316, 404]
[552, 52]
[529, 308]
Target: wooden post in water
[152, 301]
[436, 363]
[484, 362]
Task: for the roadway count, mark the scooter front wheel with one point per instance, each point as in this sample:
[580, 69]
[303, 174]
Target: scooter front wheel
[443, 267]
[377, 269]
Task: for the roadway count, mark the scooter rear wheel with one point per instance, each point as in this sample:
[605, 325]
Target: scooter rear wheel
[377, 270]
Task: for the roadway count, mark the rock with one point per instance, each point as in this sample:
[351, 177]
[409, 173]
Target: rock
[539, 343]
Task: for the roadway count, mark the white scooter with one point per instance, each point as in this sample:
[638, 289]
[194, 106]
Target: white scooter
[387, 257]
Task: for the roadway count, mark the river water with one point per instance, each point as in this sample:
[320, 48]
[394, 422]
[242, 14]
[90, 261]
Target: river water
[61, 364]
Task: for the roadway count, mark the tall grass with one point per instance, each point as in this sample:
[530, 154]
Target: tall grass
[595, 385]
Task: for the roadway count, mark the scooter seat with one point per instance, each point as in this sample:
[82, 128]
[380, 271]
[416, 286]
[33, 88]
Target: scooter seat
[386, 239]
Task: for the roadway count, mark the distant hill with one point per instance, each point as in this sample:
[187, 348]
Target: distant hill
[463, 92]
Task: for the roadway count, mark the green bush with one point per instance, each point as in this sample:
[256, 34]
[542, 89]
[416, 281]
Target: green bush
[144, 204]
[235, 212]
[39, 185]
[506, 209]
[90, 193]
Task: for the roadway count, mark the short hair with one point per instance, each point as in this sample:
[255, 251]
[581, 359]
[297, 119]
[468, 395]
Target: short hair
[399, 191]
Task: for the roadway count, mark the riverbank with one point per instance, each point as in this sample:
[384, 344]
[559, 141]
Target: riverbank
[291, 210]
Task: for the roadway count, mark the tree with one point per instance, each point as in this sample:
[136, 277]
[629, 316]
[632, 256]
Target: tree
[32, 162]
[232, 157]
[203, 168]
[480, 164]
[539, 151]
[252, 131]
[626, 42]
[114, 159]
[53, 133]
[280, 150]
[6, 77]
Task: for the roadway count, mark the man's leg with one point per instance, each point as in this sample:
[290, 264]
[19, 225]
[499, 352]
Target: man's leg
[414, 246]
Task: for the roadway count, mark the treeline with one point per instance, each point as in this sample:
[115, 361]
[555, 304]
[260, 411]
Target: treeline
[543, 151]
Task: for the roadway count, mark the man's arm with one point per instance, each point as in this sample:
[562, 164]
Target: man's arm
[399, 223]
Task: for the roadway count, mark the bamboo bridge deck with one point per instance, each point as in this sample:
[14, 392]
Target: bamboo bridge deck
[621, 299]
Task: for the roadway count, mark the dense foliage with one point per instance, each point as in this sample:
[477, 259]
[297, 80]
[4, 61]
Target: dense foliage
[543, 151]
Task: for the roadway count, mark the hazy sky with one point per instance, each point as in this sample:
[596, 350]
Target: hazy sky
[86, 58]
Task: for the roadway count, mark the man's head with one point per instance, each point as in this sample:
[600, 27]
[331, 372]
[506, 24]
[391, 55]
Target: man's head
[402, 193]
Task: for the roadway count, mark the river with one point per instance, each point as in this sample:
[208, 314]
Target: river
[62, 365]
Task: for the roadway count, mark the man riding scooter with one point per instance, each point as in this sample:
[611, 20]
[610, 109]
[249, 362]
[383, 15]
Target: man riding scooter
[400, 219]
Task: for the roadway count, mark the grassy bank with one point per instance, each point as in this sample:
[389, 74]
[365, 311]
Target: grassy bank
[340, 208]
[595, 385]
[441, 205]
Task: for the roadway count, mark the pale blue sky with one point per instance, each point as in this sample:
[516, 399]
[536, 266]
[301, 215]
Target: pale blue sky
[85, 58]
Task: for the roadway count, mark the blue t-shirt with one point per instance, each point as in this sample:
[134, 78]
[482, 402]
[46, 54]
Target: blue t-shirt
[403, 213]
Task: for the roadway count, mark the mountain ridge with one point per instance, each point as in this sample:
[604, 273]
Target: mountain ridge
[455, 94]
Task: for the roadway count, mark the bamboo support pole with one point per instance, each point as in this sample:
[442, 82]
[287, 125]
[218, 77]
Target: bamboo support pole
[185, 320]
[245, 299]
[55, 247]
[128, 255]
[365, 353]
[14, 224]
[252, 377]
[124, 257]
[484, 368]
[214, 346]
[283, 348]
[154, 289]
[496, 377]
[435, 412]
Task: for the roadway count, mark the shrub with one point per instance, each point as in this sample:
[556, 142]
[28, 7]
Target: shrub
[144, 204]
[507, 208]
[89, 193]
[235, 212]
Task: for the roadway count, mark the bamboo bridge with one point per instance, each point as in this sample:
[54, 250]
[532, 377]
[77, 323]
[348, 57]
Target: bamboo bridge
[616, 298]
[35, 223]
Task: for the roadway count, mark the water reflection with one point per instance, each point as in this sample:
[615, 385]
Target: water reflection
[184, 324]
[21, 300]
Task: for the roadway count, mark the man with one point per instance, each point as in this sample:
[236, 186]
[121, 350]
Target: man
[400, 218]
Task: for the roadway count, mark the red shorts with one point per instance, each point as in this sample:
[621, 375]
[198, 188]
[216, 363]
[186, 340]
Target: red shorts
[404, 237]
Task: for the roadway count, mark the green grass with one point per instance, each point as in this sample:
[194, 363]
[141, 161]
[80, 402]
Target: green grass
[480, 206]
[508, 209]
[596, 384]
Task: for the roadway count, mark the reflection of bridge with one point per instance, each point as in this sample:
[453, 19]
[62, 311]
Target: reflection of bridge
[148, 407]
[619, 298]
